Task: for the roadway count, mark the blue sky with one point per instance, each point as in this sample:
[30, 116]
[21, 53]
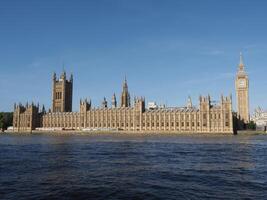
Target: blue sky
[168, 49]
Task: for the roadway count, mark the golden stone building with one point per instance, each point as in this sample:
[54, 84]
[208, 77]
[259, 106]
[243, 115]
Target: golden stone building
[26, 118]
[242, 93]
[62, 93]
[205, 118]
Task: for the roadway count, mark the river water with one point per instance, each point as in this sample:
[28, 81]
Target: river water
[133, 167]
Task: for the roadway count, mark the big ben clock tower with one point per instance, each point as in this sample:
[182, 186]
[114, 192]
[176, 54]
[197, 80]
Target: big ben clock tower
[242, 95]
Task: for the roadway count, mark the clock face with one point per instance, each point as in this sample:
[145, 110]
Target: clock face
[242, 83]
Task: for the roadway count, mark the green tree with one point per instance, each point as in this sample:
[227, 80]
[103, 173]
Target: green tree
[6, 120]
[1, 121]
[251, 125]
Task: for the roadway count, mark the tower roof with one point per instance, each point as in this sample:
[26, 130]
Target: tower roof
[241, 63]
[125, 81]
[125, 85]
[189, 102]
[114, 97]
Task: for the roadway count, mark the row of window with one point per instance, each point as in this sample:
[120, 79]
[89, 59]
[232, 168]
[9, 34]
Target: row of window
[57, 109]
[183, 124]
[61, 125]
[148, 117]
[157, 117]
[58, 95]
[22, 124]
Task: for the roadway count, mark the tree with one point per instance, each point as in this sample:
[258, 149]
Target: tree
[251, 125]
[1, 121]
[6, 120]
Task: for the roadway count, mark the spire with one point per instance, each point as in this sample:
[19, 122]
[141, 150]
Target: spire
[125, 80]
[43, 109]
[71, 77]
[189, 102]
[125, 96]
[63, 75]
[125, 86]
[104, 103]
[129, 100]
[54, 76]
[63, 67]
[241, 63]
[114, 101]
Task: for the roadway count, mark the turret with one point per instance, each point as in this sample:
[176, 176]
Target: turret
[63, 75]
[139, 104]
[114, 101]
[43, 109]
[54, 77]
[205, 103]
[104, 103]
[85, 105]
[189, 102]
[226, 102]
[241, 63]
[26, 118]
[71, 77]
[125, 96]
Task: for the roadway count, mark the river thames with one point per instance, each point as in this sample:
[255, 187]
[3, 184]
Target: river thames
[133, 167]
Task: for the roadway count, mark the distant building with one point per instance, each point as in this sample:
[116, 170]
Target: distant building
[205, 118]
[152, 105]
[260, 118]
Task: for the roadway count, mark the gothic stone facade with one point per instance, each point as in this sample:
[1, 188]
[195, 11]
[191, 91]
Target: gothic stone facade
[242, 93]
[26, 118]
[62, 93]
[205, 118]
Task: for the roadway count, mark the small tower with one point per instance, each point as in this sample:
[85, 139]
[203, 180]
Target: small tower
[43, 109]
[85, 105]
[189, 102]
[62, 93]
[26, 118]
[139, 104]
[114, 101]
[242, 92]
[204, 111]
[125, 96]
[104, 103]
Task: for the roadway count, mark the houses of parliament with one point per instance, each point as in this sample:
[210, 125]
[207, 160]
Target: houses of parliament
[133, 115]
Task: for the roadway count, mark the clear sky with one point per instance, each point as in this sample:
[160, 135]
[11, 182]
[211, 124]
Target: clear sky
[168, 49]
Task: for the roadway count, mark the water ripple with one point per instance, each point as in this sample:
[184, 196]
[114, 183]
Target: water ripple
[133, 167]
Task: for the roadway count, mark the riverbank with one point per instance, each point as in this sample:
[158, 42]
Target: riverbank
[251, 132]
[129, 133]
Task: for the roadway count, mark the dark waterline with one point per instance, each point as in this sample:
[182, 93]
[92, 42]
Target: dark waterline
[133, 167]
